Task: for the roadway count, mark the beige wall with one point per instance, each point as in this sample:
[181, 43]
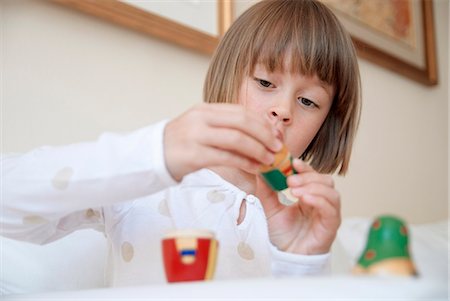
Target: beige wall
[67, 77]
[400, 160]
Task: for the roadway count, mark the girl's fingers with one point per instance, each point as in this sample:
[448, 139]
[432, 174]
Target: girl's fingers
[329, 194]
[227, 133]
[307, 175]
[325, 209]
[305, 178]
[235, 117]
[301, 166]
[235, 141]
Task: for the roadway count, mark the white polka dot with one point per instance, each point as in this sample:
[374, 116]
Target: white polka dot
[163, 208]
[34, 220]
[62, 178]
[245, 251]
[215, 196]
[127, 251]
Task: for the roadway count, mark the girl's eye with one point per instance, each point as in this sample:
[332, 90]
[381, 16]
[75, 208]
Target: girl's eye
[306, 102]
[264, 83]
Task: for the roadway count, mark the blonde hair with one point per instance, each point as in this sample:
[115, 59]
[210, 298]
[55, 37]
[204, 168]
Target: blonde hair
[317, 44]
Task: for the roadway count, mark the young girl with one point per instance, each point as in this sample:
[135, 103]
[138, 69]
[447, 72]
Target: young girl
[285, 73]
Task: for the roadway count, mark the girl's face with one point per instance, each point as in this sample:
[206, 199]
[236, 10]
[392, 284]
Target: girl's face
[296, 104]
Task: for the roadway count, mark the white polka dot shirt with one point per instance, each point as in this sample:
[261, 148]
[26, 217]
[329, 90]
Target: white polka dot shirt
[119, 185]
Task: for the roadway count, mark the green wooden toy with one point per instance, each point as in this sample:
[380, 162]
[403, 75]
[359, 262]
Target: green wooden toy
[275, 175]
[387, 249]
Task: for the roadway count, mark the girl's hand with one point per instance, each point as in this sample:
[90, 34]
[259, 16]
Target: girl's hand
[218, 134]
[310, 225]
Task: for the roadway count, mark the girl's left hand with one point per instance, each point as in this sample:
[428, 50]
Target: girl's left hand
[309, 226]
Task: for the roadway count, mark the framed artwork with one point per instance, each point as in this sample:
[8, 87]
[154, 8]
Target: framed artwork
[165, 20]
[396, 34]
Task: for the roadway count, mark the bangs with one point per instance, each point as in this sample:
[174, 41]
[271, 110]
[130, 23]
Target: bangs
[305, 35]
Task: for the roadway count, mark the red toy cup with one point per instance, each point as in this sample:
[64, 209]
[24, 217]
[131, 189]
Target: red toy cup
[189, 255]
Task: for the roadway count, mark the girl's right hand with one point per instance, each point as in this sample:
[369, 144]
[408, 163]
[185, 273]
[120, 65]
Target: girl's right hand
[216, 135]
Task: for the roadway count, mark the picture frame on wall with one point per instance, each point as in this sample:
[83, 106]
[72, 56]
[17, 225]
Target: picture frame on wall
[164, 20]
[395, 34]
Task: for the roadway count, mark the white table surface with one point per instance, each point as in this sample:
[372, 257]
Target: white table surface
[345, 287]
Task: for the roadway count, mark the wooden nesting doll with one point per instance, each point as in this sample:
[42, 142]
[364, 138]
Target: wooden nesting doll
[189, 255]
[276, 175]
[387, 249]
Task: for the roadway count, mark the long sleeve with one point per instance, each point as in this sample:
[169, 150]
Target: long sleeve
[52, 191]
[288, 264]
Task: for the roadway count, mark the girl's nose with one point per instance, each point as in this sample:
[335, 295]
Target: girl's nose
[280, 114]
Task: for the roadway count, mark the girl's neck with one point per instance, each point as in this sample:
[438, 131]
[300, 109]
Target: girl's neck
[238, 177]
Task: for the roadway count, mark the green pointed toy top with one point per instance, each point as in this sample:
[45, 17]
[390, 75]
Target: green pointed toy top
[387, 249]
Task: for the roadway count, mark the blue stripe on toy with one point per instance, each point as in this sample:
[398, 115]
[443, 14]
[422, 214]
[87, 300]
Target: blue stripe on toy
[188, 252]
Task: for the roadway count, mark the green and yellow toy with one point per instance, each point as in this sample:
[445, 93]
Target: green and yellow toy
[387, 249]
[275, 175]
